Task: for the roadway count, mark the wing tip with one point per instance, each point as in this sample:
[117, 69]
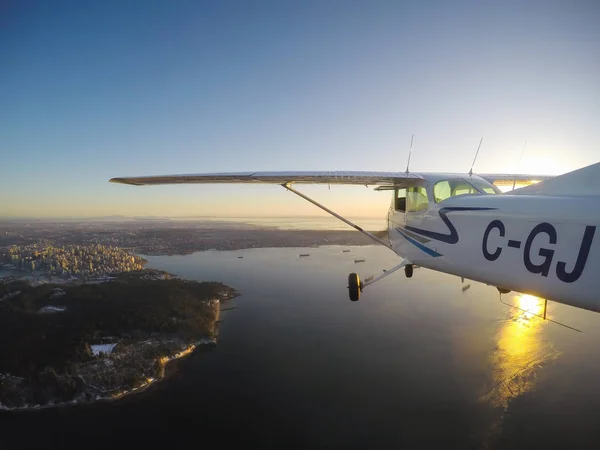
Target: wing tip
[124, 181]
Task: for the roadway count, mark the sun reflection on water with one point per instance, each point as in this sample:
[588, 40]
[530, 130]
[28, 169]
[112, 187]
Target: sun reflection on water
[519, 351]
[531, 305]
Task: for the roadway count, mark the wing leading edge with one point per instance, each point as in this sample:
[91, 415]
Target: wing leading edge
[336, 177]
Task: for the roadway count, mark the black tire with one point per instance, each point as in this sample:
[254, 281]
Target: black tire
[354, 287]
[408, 270]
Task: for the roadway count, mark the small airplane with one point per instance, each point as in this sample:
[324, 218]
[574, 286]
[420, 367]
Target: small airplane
[539, 239]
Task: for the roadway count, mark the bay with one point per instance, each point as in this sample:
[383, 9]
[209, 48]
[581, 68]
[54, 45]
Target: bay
[416, 363]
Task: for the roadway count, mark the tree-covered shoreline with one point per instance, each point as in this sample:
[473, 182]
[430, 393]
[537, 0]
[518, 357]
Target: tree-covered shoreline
[47, 334]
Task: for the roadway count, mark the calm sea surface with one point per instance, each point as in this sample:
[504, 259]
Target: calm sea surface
[416, 363]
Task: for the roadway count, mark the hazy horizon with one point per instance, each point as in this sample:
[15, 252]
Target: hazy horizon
[199, 217]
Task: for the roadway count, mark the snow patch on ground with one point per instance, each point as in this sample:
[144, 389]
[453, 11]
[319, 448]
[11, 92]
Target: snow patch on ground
[102, 348]
[52, 309]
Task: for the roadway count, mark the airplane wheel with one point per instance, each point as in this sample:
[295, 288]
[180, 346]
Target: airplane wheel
[408, 270]
[354, 287]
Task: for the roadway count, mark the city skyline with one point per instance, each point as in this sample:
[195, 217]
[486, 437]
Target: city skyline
[106, 89]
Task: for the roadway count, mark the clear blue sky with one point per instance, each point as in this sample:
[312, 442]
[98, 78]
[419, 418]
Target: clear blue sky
[90, 90]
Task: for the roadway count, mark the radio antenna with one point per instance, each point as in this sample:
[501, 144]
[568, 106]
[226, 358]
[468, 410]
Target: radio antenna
[519, 165]
[475, 159]
[409, 152]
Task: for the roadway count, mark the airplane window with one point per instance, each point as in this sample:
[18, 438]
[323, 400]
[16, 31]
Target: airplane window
[401, 200]
[416, 199]
[442, 191]
[462, 189]
[451, 188]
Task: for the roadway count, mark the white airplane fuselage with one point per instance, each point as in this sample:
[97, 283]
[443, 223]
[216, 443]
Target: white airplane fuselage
[547, 246]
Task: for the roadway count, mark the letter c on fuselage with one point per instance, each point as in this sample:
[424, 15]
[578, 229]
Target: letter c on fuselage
[493, 224]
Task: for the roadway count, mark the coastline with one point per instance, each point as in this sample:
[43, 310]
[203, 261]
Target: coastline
[164, 361]
[168, 366]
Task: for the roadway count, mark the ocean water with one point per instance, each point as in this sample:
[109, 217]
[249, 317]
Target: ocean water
[416, 363]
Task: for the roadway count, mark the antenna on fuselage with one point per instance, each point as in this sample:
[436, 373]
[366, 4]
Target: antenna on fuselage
[475, 159]
[519, 165]
[409, 152]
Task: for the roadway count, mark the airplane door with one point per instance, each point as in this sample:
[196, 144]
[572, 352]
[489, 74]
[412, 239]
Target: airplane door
[398, 210]
[417, 205]
[397, 218]
[410, 207]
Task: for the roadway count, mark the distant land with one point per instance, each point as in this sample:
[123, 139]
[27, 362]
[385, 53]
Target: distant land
[186, 236]
[123, 218]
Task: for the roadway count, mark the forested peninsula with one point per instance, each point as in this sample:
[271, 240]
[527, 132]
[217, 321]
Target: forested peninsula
[76, 343]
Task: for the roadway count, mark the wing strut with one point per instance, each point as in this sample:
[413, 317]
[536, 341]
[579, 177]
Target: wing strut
[289, 187]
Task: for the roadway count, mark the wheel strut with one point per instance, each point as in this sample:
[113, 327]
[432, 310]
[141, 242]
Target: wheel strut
[355, 286]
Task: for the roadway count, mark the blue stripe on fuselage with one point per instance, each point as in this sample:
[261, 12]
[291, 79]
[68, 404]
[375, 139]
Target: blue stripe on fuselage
[417, 244]
[452, 236]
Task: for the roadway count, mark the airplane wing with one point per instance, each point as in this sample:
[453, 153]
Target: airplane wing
[399, 179]
[507, 179]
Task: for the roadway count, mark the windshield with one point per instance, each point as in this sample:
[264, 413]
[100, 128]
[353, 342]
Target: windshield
[452, 188]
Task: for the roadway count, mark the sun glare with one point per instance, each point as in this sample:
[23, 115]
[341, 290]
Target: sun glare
[531, 304]
[507, 185]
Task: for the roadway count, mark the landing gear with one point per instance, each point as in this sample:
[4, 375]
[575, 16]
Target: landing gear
[408, 270]
[354, 287]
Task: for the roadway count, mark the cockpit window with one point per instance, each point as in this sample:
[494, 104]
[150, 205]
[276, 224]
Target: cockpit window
[451, 188]
[416, 199]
